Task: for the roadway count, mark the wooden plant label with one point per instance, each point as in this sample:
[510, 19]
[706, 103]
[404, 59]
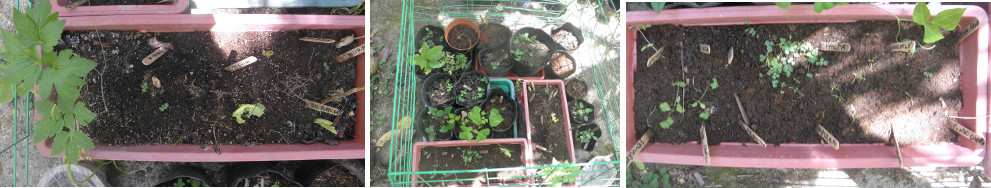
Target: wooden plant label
[241, 64]
[637, 147]
[898, 149]
[318, 40]
[753, 134]
[963, 131]
[352, 53]
[705, 48]
[828, 137]
[655, 57]
[835, 47]
[901, 46]
[153, 56]
[322, 108]
[705, 145]
[969, 30]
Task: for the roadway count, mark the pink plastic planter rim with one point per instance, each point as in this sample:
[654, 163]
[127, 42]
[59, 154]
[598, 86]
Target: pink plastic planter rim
[178, 6]
[973, 57]
[255, 22]
[526, 157]
[564, 115]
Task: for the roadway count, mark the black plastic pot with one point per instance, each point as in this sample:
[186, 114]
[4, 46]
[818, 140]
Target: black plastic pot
[186, 173]
[523, 68]
[466, 81]
[577, 33]
[242, 173]
[431, 83]
[502, 54]
[422, 123]
[437, 38]
[310, 172]
[469, 65]
[508, 117]
[591, 143]
[493, 35]
[575, 89]
[575, 119]
[549, 69]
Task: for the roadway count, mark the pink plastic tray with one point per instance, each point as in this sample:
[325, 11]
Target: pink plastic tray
[974, 77]
[526, 157]
[177, 6]
[252, 22]
[564, 114]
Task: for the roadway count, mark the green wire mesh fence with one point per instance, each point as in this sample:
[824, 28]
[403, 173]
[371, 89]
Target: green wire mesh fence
[17, 126]
[598, 27]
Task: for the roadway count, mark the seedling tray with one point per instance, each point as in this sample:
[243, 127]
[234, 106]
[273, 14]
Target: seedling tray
[974, 76]
[257, 22]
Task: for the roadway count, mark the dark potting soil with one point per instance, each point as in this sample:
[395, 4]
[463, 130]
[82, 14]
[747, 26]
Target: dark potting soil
[505, 107]
[337, 176]
[566, 39]
[492, 35]
[534, 53]
[496, 55]
[441, 90]
[471, 88]
[858, 97]
[462, 37]
[561, 65]
[575, 89]
[266, 179]
[125, 2]
[549, 137]
[470, 158]
[202, 96]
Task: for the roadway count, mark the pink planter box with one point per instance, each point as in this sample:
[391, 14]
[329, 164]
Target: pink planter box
[564, 114]
[974, 77]
[252, 22]
[526, 157]
[177, 6]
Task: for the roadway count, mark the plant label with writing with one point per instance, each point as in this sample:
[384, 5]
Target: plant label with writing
[241, 64]
[902, 46]
[969, 30]
[835, 47]
[153, 56]
[351, 53]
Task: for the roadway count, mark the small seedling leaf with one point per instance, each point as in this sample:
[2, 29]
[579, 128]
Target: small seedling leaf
[714, 84]
[667, 123]
[704, 115]
[326, 125]
[495, 118]
[665, 107]
[679, 108]
[681, 84]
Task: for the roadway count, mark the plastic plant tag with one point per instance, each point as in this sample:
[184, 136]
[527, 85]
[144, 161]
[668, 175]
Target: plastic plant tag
[351, 54]
[241, 64]
[322, 108]
[319, 40]
[153, 56]
[705, 48]
[835, 47]
[902, 46]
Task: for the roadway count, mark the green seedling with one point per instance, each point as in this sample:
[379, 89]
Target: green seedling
[857, 77]
[163, 107]
[479, 117]
[752, 31]
[834, 88]
[946, 20]
[248, 110]
[645, 47]
[839, 98]
[144, 87]
[468, 156]
[581, 111]
[559, 174]
[781, 64]
[506, 152]
[586, 136]
[911, 99]
[818, 7]
[657, 6]
[327, 125]
[325, 66]
[927, 74]
[434, 57]
[554, 117]
[267, 53]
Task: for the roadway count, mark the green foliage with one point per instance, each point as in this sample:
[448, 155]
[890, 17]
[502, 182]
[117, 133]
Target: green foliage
[818, 8]
[506, 152]
[468, 156]
[480, 118]
[429, 58]
[667, 123]
[586, 136]
[927, 74]
[191, 183]
[554, 117]
[946, 20]
[704, 115]
[524, 38]
[751, 31]
[325, 66]
[658, 6]
[558, 175]
[781, 64]
[326, 125]
[256, 110]
[62, 120]
[163, 107]
[649, 45]
[581, 110]
[714, 84]
[144, 87]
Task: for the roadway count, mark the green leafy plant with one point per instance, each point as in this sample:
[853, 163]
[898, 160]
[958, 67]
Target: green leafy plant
[480, 118]
[751, 31]
[665, 107]
[163, 107]
[144, 87]
[559, 175]
[581, 110]
[946, 20]
[429, 58]
[325, 66]
[586, 136]
[248, 110]
[191, 183]
[818, 7]
[326, 124]
[554, 117]
[781, 64]
[506, 152]
[649, 45]
[658, 6]
[23, 68]
[468, 156]
[524, 38]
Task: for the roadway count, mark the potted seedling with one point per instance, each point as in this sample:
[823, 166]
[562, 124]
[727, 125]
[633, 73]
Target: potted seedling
[438, 123]
[531, 49]
[438, 90]
[500, 104]
[184, 176]
[495, 61]
[561, 65]
[433, 59]
[569, 36]
[461, 34]
[576, 89]
[471, 89]
[586, 136]
[476, 124]
[581, 112]
[493, 34]
[430, 35]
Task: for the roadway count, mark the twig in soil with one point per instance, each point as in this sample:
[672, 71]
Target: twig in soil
[753, 134]
[280, 135]
[336, 96]
[317, 40]
[76, 4]
[743, 113]
[963, 131]
[705, 144]
[898, 149]
[828, 137]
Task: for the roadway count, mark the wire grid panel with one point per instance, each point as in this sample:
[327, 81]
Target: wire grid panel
[604, 77]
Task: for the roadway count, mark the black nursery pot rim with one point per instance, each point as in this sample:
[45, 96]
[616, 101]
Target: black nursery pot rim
[515, 108]
[575, 31]
[505, 39]
[549, 70]
[468, 102]
[427, 84]
[421, 126]
[591, 143]
[503, 69]
[530, 68]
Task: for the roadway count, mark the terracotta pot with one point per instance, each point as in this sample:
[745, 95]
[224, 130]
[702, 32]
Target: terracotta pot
[461, 22]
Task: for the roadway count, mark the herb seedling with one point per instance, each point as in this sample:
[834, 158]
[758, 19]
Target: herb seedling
[163, 107]
[325, 66]
[144, 87]
[267, 53]
[857, 77]
[248, 110]
[326, 125]
[559, 174]
[581, 111]
[927, 74]
[468, 156]
[586, 136]
[554, 117]
[751, 30]
[482, 119]
[649, 45]
[505, 151]
[434, 57]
